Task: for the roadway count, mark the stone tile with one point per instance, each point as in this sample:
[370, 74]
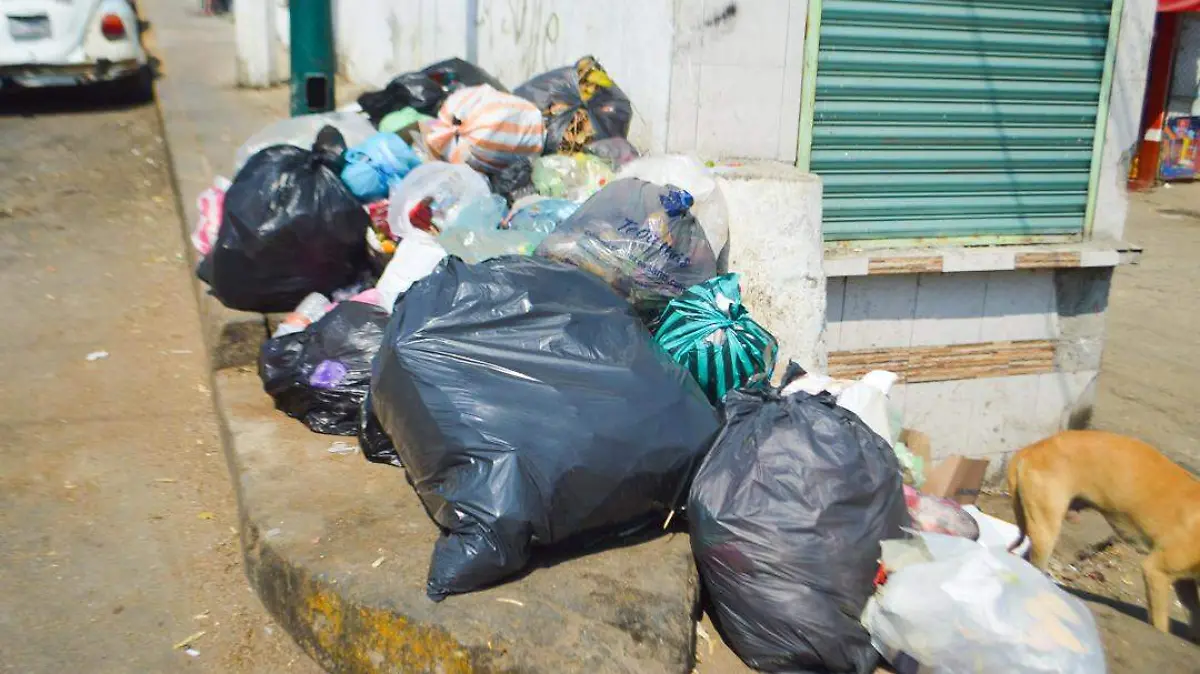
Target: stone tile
[1020, 305]
[878, 312]
[949, 309]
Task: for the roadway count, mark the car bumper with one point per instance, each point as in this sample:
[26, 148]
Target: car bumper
[48, 75]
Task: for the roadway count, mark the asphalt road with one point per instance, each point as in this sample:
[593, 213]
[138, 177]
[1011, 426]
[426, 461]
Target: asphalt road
[117, 517]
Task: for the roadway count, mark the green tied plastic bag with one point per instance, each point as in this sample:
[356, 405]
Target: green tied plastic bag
[709, 332]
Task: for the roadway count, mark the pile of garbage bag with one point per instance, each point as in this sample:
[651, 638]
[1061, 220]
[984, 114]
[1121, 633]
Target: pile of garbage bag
[489, 371]
[500, 296]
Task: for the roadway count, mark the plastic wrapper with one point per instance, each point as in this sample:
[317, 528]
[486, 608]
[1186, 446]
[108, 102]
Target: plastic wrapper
[689, 174]
[411, 90]
[616, 151]
[513, 182]
[289, 228]
[786, 514]
[480, 232]
[377, 163]
[486, 129]
[576, 177]
[939, 515]
[431, 196]
[322, 374]
[954, 606]
[539, 214]
[581, 104]
[708, 331]
[641, 239]
[530, 408]
[302, 132]
[417, 255]
[210, 203]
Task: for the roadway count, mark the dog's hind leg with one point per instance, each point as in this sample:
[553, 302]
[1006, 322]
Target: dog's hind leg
[1185, 589]
[1041, 518]
[1158, 591]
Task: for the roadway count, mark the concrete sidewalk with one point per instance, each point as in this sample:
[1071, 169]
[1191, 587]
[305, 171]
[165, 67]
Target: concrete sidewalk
[338, 548]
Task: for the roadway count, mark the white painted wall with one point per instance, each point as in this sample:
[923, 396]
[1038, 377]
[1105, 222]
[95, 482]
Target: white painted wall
[703, 78]
[1121, 137]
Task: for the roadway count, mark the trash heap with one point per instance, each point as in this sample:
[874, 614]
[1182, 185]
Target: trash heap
[500, 297]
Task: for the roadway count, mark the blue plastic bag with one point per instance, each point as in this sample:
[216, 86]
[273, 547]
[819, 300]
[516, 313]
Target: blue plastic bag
[373, 165]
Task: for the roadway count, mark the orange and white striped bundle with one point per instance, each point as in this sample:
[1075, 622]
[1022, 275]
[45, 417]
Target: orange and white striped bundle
[486, 129]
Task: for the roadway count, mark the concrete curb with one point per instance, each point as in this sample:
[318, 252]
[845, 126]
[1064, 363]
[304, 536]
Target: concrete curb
[337, 548]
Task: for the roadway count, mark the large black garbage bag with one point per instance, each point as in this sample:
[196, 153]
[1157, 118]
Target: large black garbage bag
[425, 90]
[640, 238]
[322, 374]
[786, 515]
[289, 228]
[581, 104]
[530, 408]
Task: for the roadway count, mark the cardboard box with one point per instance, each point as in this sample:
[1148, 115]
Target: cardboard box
[957, 478]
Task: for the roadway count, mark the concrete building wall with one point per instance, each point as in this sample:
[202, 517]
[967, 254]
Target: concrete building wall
[952, 323]
[1184, 98]
[1121, 135]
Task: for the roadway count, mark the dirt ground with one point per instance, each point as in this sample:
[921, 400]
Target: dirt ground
[117, 517]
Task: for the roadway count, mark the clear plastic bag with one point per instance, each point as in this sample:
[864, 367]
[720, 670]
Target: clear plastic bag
[479, 232]
[641, 239]
[576, 177]
[956, 607]
[302, 132]
[447, 187]
[688, 173]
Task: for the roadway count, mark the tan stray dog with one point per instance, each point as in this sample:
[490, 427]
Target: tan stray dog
[1150, 502]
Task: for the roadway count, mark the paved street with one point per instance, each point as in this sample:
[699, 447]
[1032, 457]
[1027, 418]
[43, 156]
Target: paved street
[117, 518]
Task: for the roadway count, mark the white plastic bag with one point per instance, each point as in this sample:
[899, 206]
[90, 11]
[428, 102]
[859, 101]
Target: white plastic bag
[302, 131]
[868, 398]
[415, 257]
[451, 186]
[210, 204]
[688, 173]
[957, 607]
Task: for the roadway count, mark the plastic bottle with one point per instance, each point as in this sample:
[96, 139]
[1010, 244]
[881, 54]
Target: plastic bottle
[310, 310]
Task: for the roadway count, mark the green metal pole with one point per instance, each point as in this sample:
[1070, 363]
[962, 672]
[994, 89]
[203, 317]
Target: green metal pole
[314, 61]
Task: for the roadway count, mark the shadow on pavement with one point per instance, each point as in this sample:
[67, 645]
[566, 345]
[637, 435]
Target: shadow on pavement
[1136, 612]
[16, 101]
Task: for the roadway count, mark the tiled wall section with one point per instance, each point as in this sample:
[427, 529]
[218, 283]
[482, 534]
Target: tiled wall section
[985, 417]
[871, 312]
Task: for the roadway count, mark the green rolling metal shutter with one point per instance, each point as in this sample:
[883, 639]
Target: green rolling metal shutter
[957, 117]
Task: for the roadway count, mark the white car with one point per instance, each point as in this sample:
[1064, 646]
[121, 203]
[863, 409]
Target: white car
[65, 42]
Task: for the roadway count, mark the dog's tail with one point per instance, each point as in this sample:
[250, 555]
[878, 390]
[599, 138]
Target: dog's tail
[1014, 488]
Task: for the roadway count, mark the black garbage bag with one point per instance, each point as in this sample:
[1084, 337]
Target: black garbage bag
[455, 72]
[641, 239]
[425, 90]
[786, 515]
[513, 181]
[374, 442]
[581, 103]
[290, 227]
[322, 374]
[530, 408]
